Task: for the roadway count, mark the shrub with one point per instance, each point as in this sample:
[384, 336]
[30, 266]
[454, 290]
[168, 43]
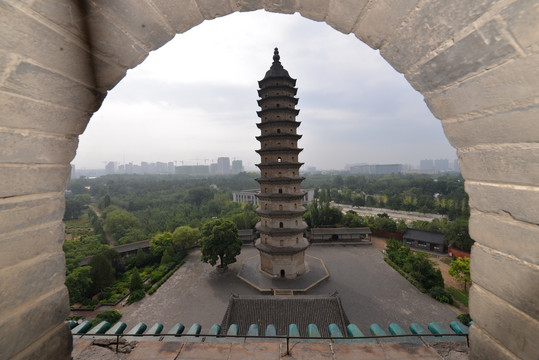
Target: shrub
[135, 296]
[464, 318]
[112, 316]
[440, 294]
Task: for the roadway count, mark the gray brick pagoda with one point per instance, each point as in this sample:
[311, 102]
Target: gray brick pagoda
[281, 244]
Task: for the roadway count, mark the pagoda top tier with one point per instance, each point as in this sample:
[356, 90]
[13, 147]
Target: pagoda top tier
[276, 69]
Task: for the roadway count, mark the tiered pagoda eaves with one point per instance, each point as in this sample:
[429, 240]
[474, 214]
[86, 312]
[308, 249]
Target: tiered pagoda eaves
[281, 243]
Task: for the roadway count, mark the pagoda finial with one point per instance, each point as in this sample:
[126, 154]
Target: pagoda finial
[276, 56]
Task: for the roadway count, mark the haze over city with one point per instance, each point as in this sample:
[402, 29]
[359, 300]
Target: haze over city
[194, 100]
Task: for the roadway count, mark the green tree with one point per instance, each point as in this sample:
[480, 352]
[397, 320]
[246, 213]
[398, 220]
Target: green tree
[167, 257]
[160, 242]
[460, 270]
[140, 259]
[220, 241]
[78, 283]
[102, 272]
[185, 237]
[119, 221]
[136, 281]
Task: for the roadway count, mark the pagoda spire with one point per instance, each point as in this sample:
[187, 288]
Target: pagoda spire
[281, 243]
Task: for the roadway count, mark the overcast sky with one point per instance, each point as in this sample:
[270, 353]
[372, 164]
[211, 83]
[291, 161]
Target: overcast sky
[194, 100]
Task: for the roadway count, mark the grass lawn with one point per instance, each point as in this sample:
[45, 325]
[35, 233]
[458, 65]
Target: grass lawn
[459, 295]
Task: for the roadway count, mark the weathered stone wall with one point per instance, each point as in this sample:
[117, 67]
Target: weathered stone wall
[474, 61]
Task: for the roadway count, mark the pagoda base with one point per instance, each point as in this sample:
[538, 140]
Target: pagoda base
[250, 273]
[283, 262]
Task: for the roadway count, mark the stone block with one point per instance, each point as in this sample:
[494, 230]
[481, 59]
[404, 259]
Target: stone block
[211, 9]
[45, 46]
[204, 351]
[281, 6]
[507, 163]
[247, 5]
[521, 18]
[513, 126]
[519, 202]
[31, 279]
[66, 14]
[482, 49]
[17, 213]
[20, 180]
[510, 278]
[503, 88]
[54, 344]
[139, 19]
[147, 350]
[427, 28]
[32, 81]
[110, 41]
[381, 19]
[503, 233]
[316, 10]
[20, 112]
[181, 15]
[44, 314]
[27, 244]
[511, 328]
[22, 146]
[344, 14]
[483, 347]
[255, 350]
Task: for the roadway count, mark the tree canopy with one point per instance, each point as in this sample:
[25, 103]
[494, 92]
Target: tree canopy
[185, 237]
[220, 241]
[460, 270]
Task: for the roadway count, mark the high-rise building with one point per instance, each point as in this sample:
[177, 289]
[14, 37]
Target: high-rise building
[441, 164]
[110, 168]
[426, 164]
[281, 244]
[237, 166]
[223, 166]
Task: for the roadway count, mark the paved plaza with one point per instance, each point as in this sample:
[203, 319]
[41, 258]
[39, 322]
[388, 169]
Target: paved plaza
[370, 290]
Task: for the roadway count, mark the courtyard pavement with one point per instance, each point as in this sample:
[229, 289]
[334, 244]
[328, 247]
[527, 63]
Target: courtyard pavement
[370, 291]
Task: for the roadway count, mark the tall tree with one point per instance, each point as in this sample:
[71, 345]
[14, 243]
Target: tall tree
[220, 241]
[460, 270]
[185, 237]
[102, 272]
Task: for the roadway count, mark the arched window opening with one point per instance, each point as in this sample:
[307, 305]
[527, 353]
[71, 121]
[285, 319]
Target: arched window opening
[282, 273]
[278, 105]
[278, 130]
[280, 207]
[280, 191]
[295, 206]
[296, 224]
[279, 159]
[281, 225]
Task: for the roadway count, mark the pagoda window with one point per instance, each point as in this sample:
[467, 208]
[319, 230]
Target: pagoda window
[279, 173]
[297, 240]
[265, 159]
[281, 225]
[279, 159]
[266, 190]
[294, 188]
[292, 158]
[265, 222]
[281, 243]
[295, 206]
[280, 207]
[278, 130]
[265, 174]
[278, 105]
[280, 191]
[278, 143]
[296, 224]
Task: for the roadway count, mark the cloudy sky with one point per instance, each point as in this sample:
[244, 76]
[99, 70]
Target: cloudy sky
[194, 99]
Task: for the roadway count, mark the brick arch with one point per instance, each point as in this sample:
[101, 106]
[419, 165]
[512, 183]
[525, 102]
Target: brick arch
[475, 62]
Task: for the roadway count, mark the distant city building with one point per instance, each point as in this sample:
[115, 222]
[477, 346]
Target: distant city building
[110, 168]
[426, 164]
[73, 172]
[223, 166]
[441, 164]
[237, 166]
[456, 165]
[376, 169]
[193, 170]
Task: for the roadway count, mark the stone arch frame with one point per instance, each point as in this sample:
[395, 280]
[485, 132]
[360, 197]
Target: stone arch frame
[475, 62]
